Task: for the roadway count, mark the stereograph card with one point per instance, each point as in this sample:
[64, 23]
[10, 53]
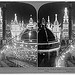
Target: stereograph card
[37, 36]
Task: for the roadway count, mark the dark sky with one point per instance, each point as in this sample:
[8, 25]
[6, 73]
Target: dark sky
[73, 12]
[22, 10]
[55, 8]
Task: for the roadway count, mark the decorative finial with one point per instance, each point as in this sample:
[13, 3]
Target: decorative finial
[66, 10]
[48, 19]
[15, 18]
[55, 17]
[31, 20]
[30, 16]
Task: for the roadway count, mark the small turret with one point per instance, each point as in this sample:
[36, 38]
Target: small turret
[55, 17]
[15, 19]
[48, 24]
[48, 19]
[56, 20]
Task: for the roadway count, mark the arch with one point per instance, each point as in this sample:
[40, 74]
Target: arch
[37, 4]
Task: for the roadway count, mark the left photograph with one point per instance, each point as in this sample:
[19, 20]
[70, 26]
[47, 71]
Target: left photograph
[18, 35]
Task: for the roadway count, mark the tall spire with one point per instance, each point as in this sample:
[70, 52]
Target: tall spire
[56, 20]
[65, 18]
[65, 24]
[48, 19]
[65, 11]
[15, 19]
[55, 17]
[48, 23]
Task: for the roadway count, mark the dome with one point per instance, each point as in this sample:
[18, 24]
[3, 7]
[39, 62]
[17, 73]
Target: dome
[45, 35]
[29, 36]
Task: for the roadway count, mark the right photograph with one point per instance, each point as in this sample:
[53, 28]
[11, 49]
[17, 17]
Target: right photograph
[56, 35]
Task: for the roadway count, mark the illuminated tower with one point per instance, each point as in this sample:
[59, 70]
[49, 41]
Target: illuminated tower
[1, 24]
[65, 24]
[56, 28]
[49, 26]
[15, 19]
[15, 28]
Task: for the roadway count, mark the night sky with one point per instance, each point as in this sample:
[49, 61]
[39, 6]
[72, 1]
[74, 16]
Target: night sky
[23, 11]
[50, 9]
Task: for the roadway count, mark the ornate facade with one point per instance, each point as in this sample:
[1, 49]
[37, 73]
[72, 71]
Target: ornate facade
[55, 28]
[16, 28]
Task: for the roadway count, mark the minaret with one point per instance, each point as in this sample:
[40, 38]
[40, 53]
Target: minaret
[48, 19]
[48, 24]
[55, 17]
[56, 20]
[15, 19]
[65, 18]
[65, 24]
[56, 28]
